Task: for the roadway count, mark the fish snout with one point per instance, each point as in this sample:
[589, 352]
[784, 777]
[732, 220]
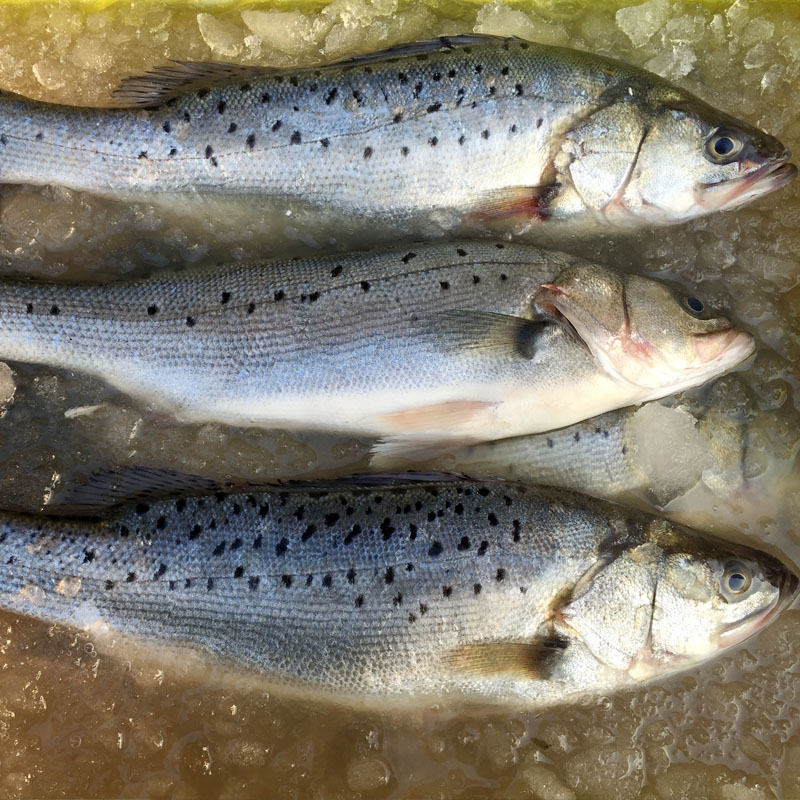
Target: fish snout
[735, 343]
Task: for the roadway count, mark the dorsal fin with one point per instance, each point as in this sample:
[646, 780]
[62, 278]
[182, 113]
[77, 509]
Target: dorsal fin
[158, 85]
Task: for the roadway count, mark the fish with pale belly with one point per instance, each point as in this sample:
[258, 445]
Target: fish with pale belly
[421, 347]
[399, 591]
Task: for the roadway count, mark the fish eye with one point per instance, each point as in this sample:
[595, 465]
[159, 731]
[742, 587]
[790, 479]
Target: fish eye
[694, 306]
[736, 580]
[723, 147]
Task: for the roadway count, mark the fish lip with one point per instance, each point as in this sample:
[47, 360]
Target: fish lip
[745, 628]
[769, 177]
[734, 339]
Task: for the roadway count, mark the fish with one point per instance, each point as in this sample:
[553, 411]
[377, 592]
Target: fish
[399, 591]
[415, 347]
[458, 133]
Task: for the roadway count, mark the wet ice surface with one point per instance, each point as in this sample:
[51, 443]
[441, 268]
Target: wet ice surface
[73, 722]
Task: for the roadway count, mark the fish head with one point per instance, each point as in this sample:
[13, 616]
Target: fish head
[664, 598]
[710, 595]
[642, 332]
[671, 158]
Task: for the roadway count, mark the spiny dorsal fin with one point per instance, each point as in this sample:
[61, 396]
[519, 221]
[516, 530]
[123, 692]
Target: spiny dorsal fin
[533, 660]
[154, 87]
[487, 332]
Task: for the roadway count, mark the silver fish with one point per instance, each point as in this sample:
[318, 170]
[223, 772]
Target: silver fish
[489, 591]
[418, 346]
[459, 130]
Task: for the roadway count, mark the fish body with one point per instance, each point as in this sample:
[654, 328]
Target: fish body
[461, 130]
[430, 343]
[489, 591]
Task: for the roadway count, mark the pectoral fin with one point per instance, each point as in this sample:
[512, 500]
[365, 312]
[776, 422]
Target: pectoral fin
[487, 333]
[524, 202]
[532, 660]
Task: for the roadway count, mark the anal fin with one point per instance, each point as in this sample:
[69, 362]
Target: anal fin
[523, 202]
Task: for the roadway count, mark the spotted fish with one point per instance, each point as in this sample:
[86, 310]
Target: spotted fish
[487, 591]
[418, 346]
[458, 132]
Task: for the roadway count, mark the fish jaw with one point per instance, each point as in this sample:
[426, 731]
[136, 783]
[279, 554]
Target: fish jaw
[763, 180]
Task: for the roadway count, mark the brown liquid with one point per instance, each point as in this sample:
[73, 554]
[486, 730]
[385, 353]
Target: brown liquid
[75, 723]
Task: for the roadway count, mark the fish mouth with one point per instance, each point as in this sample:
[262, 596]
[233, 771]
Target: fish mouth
[768, 178]
[744, 628]
[733, 345]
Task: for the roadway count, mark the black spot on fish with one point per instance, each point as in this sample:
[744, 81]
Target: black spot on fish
[336, 271]
[238, 572]
[397, 600]
[293, 80]
[252, 582]
[109, 585]
[327, 581]
[433, 141]
[624, 449]
[404, 151]
[330, 95]
[492, 519]
[167, 127]
[412, 530]
[324, 142]
[500, 575]
[447, 591]
[251, 307]
[161, 523]
[412, 618]
[483, 491]
[462, 139]
[407, 257]
[219, 549]
[245, 87]
[236, 544]
[387, 529]
[435, 550]
[492, 89]
[417, 89]
[203, 93]
[257, 542]
[539, 122]
[190, 321]
[504, 71]
[54, 310]
[279, 295]
[266, 97]
[251, 141]
[503, 277]
[142, 508]
[39, 136]
[365, 286]
[280, 548]
[518, 89]
[195, 531]
[444, 284]
[221, 106]
[388, 576]
[433, 107]
[397, 118]
[359, 601]
[286, 581]
[484, 546]
[309, 579]
[409, 567]
[152, 310]
[233, 127]
[357, 96]
[479, 68]
[423, 609]
[160, 571]
[517, 528]
[296, 138]
[299, 513]
[513, 128]
[402, 77]
[351, 575]
[309, 532]
[461, 251]
[143, 154]
[226, 296]
[476, 588]
[171, 585]
[431, 516]
[29, 308]
[577, 436]
[187, 117]
[485, 133]
[209, 151]
[173, 151]
[354, 531]
[437, 76]
[88, 555]
[131, 577]
[367, 152]
[180, 505]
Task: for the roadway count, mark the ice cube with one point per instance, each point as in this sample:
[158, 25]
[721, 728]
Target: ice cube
[677, 64]
[223, 37]
[639, 23]
[287, 31]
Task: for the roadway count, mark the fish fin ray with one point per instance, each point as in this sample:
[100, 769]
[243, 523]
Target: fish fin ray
[391, 452]
[437, 416]
[152, 88]
[489, 332]
[533, 660]
[527, 202]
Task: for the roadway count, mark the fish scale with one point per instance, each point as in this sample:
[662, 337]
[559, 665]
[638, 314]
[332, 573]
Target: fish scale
[396, 590]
